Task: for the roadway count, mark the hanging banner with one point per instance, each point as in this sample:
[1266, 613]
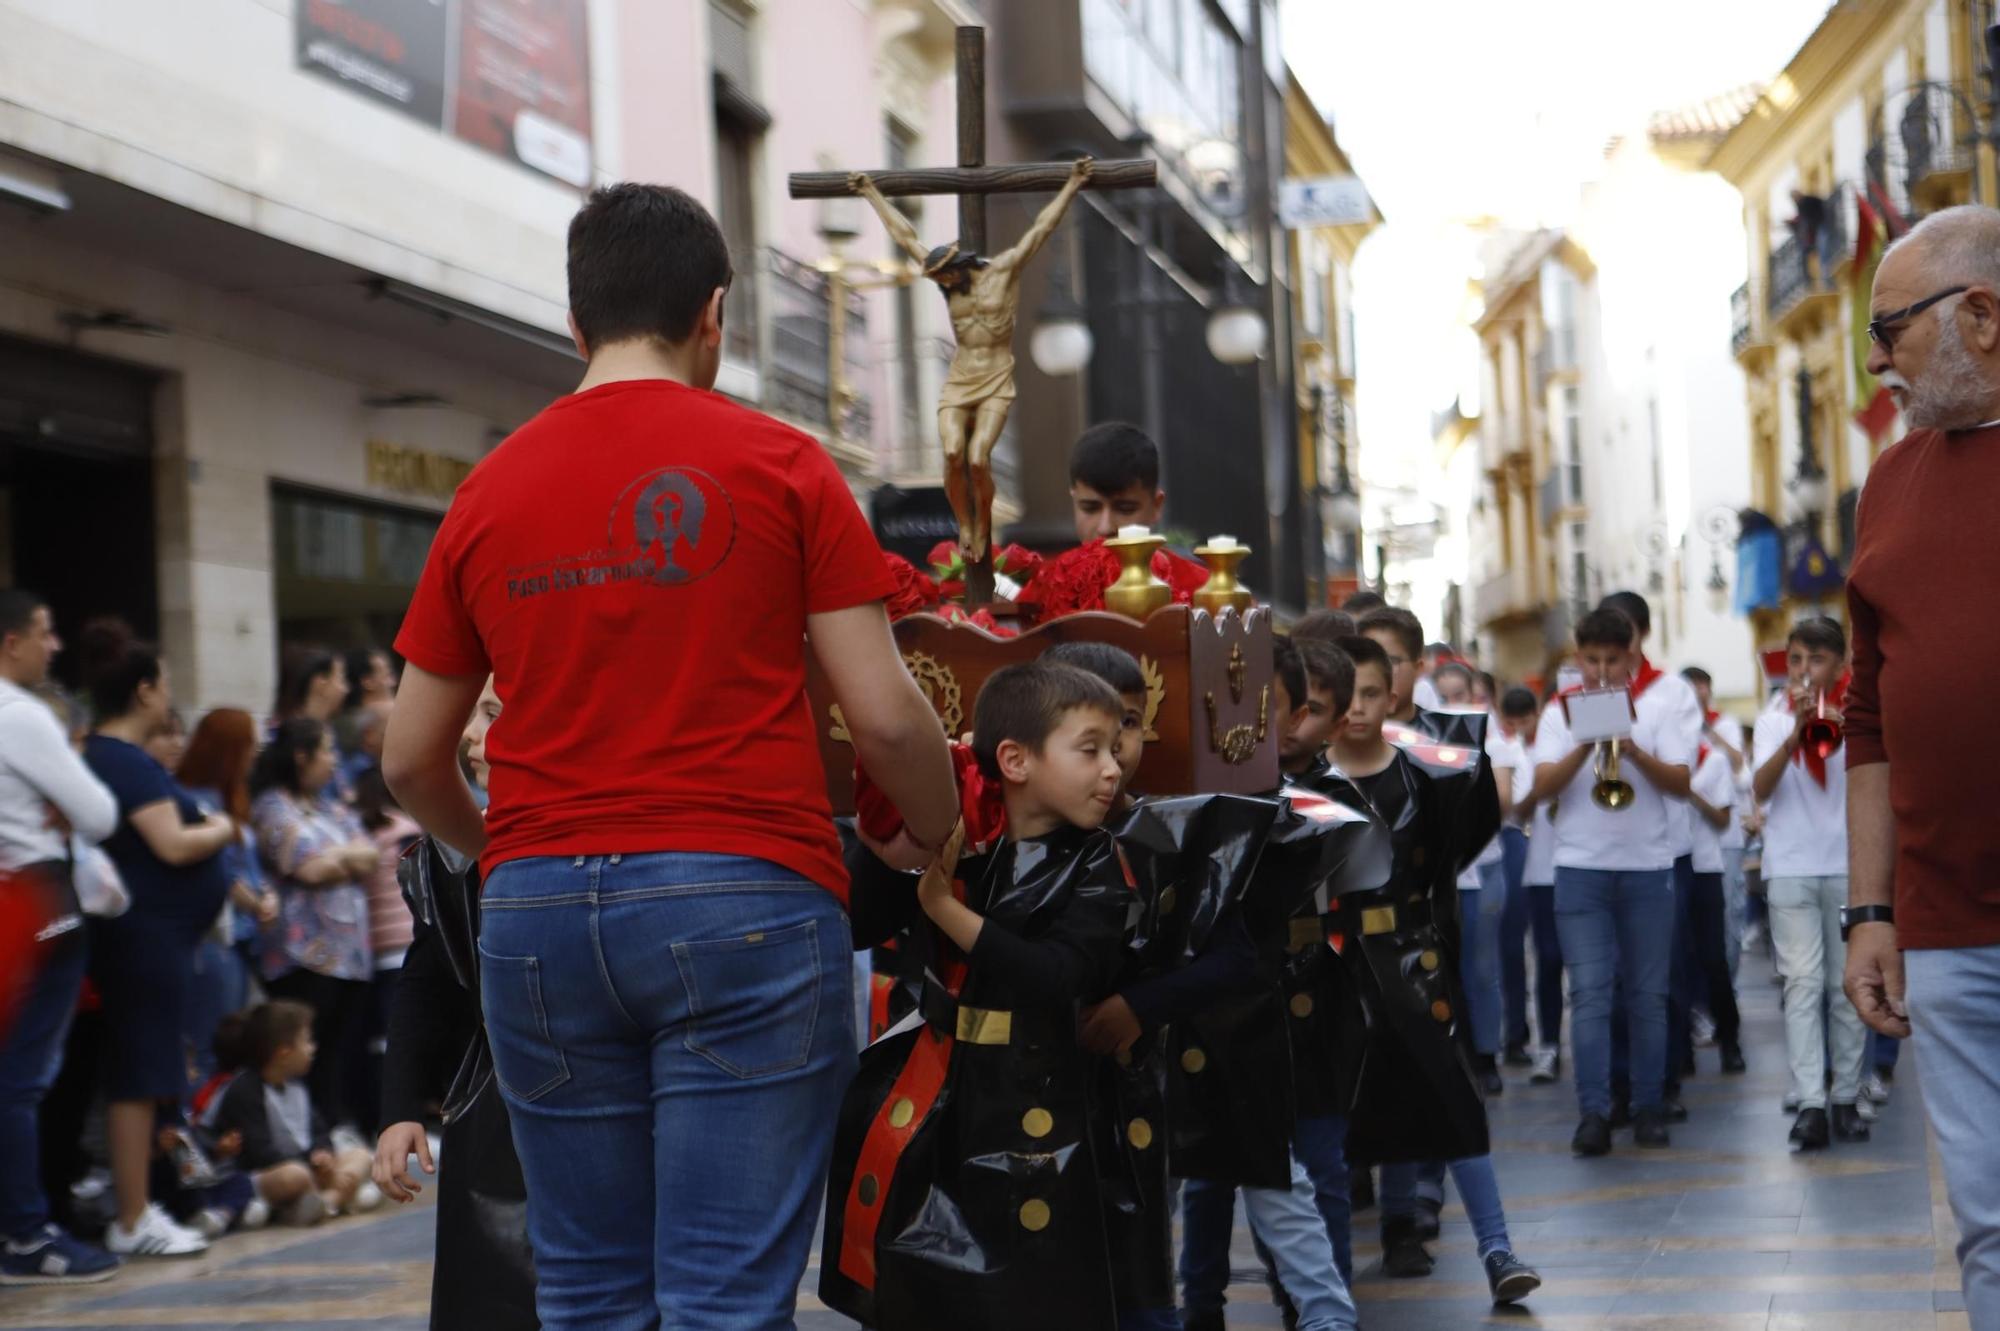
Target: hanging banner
[510, 76]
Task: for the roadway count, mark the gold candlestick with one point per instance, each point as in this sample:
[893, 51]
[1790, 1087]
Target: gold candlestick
[1137, 593]
[1222, 591]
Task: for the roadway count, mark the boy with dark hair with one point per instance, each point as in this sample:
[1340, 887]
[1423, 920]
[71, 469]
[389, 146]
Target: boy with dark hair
[1725, 734]
[1520, 710]
[1323, 626]
[1121, 670]
[1114, 480]
[1400, 634]
[1416, 1089]
[1360, 603]
[1614, 881]
[969, 1123]
[1801, 779]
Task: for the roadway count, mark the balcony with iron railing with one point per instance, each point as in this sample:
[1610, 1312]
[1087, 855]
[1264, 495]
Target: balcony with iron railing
[798, 380]
[1803, 267]
[1743, 331]
[1939, 133]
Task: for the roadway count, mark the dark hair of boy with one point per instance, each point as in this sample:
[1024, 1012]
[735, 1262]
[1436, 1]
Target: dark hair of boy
[115, 664]
[1327, 667]
[644, 261]
[1114, 665]
[17, 609]
[270, 1027]
[1026, 703]
[1696, 675]
[1605, 626]
[1407, 628]
[1115, 456]
[1324, 626]
[1490, 684]
[1519, 701]
[279, 766]
[1289, 669]
[1456, 669]
[1819, 634]
[1362, 602]
[1367, 652]
[1633, 606]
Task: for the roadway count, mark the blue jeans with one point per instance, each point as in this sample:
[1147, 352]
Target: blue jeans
[29, 1060]
[1883, 1050]
[1479, 968]
[1954, 1001]
[1736, 905]
[1548, 966]
[1613, 923]
[1478, 1188]
[1287, 1222]
[1514, 937]
[1321, 1146]
[672, 1034]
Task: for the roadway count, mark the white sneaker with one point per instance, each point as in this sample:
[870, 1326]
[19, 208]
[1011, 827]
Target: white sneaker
[1875, 1090]
[307, 1211]
[1790, 1104]
[1702, 1029]
[155, 1235]
[256, 1214]
[211, 1222]
[1547, 1061]
[1868, 1109]
[366, 1198]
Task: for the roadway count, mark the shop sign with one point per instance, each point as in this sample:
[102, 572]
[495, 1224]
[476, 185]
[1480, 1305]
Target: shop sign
[512, 76]
[414, 471]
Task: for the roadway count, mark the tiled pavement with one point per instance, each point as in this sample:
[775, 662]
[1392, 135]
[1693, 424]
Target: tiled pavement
[1726, 1230]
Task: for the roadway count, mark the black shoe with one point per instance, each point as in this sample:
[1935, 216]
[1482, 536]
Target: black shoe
[1593, 1136]
[1490, 1083]
[1809, 1130]
[1673, 1110]
[1848, 1125]
[1202, 1321]
[1732, 1059]
[1687, 1064]
[1621, 1112]
[1649, 1130]
[1361, 1190]
[1517, 1057]
[1427, 1222]
[1510, 1278]
[1404, 1256]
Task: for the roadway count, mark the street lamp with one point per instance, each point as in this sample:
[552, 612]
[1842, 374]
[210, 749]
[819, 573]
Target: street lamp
[1340, 507]
[1236, 330]
[1721, 528]
[1061, 343]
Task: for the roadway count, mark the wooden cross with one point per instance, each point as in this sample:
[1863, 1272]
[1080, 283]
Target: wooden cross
[972, 181]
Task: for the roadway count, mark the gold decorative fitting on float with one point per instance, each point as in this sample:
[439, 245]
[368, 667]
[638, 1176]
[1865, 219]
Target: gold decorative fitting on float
[1140, 1133]
[1222, 591]
[901, 1112]
[1193, 1061]
[1156, 693]
[868, 1189]
[1238, 744]
[1236, 668]
[1302, 1005]
[1038, 1123]
[1034, 1215]
[1441, 1010]
[1378, 920]
[978, 1025]
[940, 688]
[1136, 593]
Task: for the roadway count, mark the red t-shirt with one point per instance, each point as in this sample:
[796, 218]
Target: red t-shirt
[635, 566]
[1920, 597]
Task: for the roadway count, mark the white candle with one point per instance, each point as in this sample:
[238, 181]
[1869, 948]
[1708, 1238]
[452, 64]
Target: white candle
[1222, 542]
[1134, 533]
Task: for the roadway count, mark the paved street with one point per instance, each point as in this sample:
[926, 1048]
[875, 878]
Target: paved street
[1726, 1231]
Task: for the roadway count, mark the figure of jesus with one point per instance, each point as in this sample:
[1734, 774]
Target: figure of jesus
[983, 295]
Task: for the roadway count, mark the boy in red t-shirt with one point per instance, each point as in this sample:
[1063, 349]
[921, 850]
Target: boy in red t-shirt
[665, 973]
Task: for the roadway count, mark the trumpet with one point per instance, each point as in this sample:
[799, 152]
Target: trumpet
[1610, 792]
[1820, 735]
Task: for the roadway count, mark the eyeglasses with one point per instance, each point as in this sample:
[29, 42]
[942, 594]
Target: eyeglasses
[1879, 327]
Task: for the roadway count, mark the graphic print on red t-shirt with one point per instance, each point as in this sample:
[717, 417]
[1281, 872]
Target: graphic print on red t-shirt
[635, 566]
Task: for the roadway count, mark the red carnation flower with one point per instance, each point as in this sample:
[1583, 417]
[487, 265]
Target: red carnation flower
[914, 591]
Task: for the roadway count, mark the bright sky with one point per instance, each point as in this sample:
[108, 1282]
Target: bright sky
[1453, 110]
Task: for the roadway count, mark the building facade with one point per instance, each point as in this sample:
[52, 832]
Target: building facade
[274, 276]
[1883, 114]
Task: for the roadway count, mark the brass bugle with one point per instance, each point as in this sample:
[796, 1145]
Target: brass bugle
[1820, 735]
[1610, 792]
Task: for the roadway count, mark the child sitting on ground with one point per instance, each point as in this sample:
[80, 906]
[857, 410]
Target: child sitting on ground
[285, 1146]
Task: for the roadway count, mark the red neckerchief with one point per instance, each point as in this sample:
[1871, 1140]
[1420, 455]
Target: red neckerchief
[1648, 672]
[1813, 757]
[1712, 716]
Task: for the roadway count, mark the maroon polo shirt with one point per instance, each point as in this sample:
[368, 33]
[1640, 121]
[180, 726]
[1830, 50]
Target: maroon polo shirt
[1924, 601]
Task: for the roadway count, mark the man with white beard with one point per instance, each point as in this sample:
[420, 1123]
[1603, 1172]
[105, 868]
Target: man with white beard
[1923, 921]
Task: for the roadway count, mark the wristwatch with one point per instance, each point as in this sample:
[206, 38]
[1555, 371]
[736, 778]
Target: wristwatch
[1853, 915]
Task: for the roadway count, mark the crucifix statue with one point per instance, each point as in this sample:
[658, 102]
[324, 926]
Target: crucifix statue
[981, 292]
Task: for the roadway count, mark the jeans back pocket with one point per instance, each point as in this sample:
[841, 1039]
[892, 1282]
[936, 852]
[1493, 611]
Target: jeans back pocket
[753, 1000]
[525, 1057]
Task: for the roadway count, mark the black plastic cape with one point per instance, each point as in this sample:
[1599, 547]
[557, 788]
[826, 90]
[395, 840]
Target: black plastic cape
[485, 1270]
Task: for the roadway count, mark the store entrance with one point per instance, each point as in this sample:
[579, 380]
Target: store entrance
[77, 520]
